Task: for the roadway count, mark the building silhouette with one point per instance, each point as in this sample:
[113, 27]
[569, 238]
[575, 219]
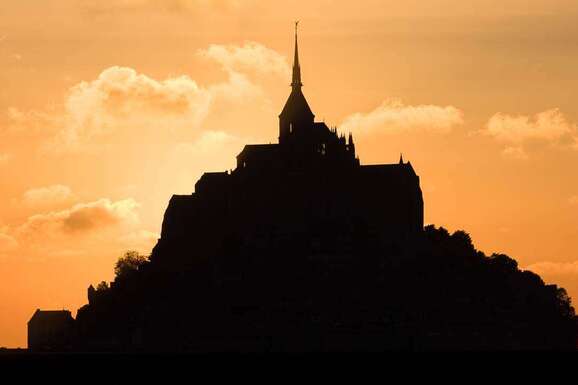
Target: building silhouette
[50, 330]
[308, 190]
[303, 248]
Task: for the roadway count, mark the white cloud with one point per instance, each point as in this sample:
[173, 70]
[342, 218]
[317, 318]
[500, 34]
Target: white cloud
[80, 218]
[120, 100]
[47, 195]
[212, 151]
[64, 253]
[238, 88]
[554, 268]
[7, 243]
[550, 127]
[100, 6]
[32, 123]
[563, 274]
[515, 152]
[392, 116]
[208, 143]
[120, 97]
[143, 240]
[251, 56]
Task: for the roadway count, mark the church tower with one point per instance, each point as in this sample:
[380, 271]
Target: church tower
[296, 119]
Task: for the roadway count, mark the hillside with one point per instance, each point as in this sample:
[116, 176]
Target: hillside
[435, 292]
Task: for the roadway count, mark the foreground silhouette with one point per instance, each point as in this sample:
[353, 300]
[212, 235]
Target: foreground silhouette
[436, 293]
[302, 248]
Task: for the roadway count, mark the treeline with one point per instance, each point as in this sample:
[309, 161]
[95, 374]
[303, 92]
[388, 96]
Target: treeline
[436, 292]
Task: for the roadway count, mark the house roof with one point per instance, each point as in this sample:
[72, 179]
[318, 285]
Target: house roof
[258, 149]
[51, 316]
[394, 168]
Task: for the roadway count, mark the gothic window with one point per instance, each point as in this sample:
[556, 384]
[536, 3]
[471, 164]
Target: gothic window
[323, 149]
[290, 128]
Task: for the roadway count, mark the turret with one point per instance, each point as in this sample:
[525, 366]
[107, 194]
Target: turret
[91, 294]
[351, 146]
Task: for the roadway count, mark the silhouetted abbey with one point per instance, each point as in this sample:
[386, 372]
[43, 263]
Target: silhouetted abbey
[309, 188]
[301, 248]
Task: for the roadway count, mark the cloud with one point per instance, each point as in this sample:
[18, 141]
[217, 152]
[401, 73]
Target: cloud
[554, 268]
[251, 56]
[7, 243]
[64, 253]
[121, 97]
[238, 89]
[122, 101]
[32, 123]
[187, 161]
[47, 195]
[80, 218]
[516, 152]
[563, 274]
[141, 239]
[550, 127]
[98, 6]
[208, 143]
[392, 116]
[212, 151]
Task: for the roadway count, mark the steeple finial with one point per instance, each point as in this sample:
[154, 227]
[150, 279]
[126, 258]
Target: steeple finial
[400, 158]
[296, 83]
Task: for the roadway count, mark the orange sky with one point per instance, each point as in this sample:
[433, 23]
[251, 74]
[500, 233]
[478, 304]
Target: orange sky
[107, 110]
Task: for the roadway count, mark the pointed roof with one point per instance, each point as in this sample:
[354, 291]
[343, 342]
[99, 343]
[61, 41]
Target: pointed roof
[296, 105]
[296, 83]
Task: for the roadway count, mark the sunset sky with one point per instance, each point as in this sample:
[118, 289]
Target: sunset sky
[108, 107]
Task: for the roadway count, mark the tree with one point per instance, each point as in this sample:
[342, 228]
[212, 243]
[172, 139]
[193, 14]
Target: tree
[564, 303]
[504, 262]
[130, 262]
[102, 286]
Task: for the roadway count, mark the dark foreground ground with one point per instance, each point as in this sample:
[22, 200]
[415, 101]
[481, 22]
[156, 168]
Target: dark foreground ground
[435, 293]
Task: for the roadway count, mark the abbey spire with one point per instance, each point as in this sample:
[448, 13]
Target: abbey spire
[296, 118]
[296, 83]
